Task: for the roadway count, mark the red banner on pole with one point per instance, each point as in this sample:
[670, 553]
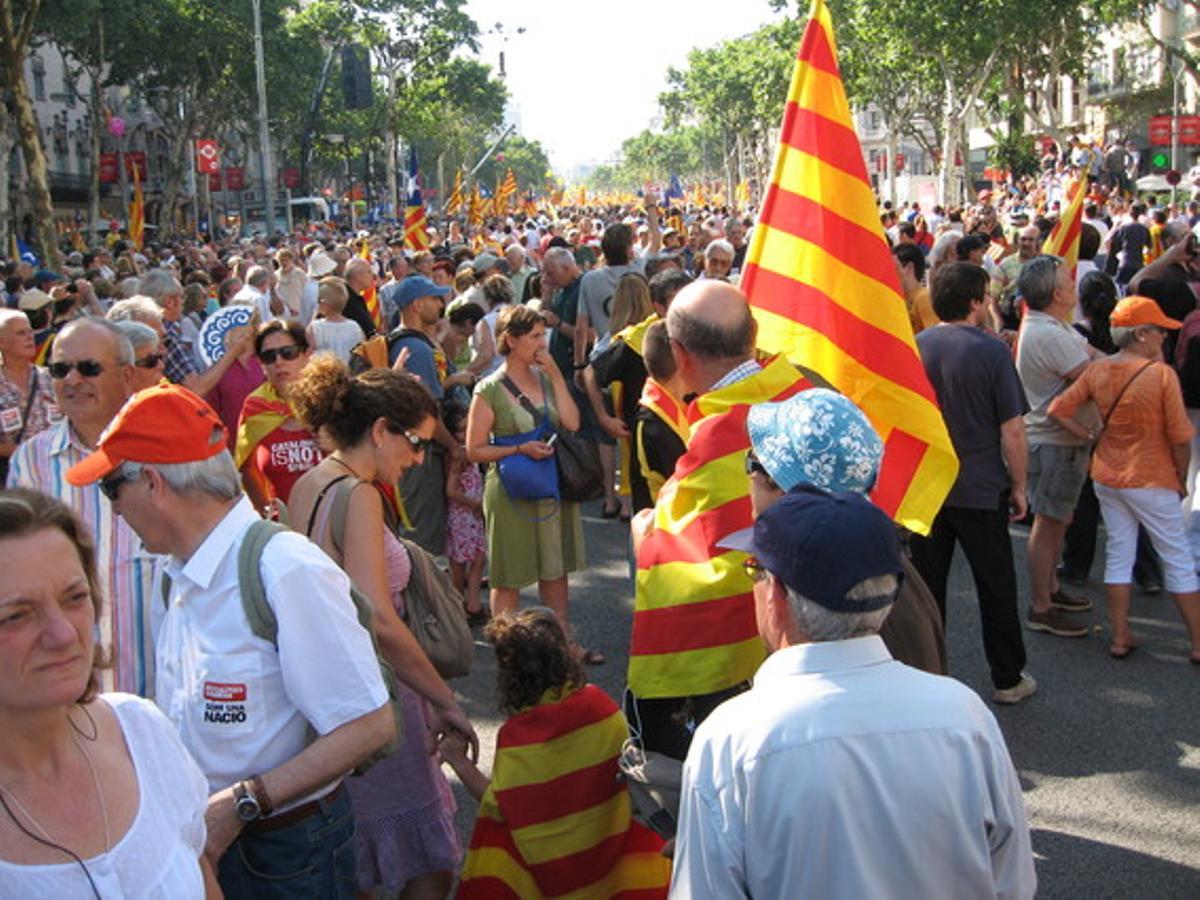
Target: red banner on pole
[235, 178]
[208, 157]
[1160, 131]
[290, 178]
[214, 181]
[108, 169]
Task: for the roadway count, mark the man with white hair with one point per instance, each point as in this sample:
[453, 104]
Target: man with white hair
[718, 259]
[842, 772]
[360, 276]
[148, 358]
[259, 292]
[181, 337]
[518, 269]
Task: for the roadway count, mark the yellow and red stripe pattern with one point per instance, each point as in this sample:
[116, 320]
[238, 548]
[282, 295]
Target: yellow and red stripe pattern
[672, 412]
[455, 201]
[824, 287]
[137, 211]
[475, 209]
[1063, 240]
[693, 617]
[556, 821]
[371, 294]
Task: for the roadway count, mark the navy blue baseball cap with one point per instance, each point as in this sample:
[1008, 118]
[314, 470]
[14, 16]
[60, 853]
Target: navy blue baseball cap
[821, 545]
[413, 288]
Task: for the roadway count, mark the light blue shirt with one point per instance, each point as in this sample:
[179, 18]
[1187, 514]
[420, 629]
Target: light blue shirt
[843, 773]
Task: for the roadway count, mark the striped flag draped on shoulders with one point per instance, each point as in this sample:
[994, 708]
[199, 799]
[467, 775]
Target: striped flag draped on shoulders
[824, 288]
[555, 820]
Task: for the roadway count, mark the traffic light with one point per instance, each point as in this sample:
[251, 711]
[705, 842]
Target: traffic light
[1160, 161]
[356, 77]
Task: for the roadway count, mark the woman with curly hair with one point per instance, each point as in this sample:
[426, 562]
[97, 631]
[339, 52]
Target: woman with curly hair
[379, 424]
[554, 818]
[97, 795]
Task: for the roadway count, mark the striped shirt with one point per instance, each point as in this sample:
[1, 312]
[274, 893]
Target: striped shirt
[126, 570]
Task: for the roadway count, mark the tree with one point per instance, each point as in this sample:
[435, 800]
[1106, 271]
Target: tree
[18, 19]
[525, 157]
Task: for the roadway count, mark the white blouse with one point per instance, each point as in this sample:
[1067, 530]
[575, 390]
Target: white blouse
[158, 857]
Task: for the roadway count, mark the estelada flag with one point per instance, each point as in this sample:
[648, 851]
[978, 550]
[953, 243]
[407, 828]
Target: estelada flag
[137, 211]
[556, 819]
[416, 229]
[1063, 240]
[371, 294]
[824, 288]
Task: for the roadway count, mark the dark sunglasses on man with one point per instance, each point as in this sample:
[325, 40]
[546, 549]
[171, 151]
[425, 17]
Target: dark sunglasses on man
[151, 361]
[88, 368]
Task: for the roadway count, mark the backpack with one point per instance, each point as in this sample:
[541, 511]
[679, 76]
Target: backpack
[433, 606]
[265, 626]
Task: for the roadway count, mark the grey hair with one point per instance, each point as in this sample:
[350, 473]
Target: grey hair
[128, 287]
[215, 477]
[821, 624]
[159, 284]
[1175, 232]
[511, 247]
[1124, 335]
[124, 348]
[719, 244]
[135, 309]
[139, 333]
[1035, 283]
[11, 315]
[558, 256]
[258, 276]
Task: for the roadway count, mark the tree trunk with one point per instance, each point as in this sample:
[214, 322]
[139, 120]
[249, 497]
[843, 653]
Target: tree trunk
[392, 203]
[36, 172]
[5, 152]
[893, 147]
[95, 119]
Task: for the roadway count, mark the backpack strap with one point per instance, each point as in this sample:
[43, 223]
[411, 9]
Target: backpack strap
[259, 614]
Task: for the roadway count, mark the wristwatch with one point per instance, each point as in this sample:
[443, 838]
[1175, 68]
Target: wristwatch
[245, 804]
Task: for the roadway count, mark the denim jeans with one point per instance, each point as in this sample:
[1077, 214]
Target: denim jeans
[314, 858]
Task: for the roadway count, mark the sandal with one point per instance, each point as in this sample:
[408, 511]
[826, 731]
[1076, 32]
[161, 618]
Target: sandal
[481, 616]
[1121, 651]
[586, 656]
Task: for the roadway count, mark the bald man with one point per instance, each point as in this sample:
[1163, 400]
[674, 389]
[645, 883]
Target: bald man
[360, 275]
[694, 641]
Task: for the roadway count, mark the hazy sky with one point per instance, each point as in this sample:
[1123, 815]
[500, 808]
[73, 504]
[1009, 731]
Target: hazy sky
[585, 76]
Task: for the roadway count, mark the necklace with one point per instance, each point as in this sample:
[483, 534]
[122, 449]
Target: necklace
[345, 465]
[99, 793]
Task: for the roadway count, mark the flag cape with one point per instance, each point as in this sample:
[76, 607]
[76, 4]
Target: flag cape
[633, 335]
[263, 412]
[371, 294]
[823, 284]
[137, 211]
[693, 617]
[555, 820]
[416, 230]
[1063, 241]
[672, 412]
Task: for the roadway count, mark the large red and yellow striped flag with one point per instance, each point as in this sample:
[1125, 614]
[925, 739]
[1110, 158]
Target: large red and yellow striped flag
[371, 295]
[824, 288]
[475, 209]
[555, 820]
[137, 211]
[1063, 241]
[455, 201]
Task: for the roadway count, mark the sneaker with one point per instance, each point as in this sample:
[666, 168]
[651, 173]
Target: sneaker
[1055, 621]
[1070, 576]
[1026, 687]
[1069, 602]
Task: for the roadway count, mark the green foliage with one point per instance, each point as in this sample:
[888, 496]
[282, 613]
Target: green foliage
[526, 158]
[1016, 153]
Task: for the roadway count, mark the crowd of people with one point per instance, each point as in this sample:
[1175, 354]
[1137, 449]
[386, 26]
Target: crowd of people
[227, 460]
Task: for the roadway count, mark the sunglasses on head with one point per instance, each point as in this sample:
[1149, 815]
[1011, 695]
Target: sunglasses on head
[290, 352]
[151, 361]
[88, 368]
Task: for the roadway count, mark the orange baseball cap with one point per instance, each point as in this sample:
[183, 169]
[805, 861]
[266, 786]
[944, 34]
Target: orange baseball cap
[161, 424]
[1135, 310]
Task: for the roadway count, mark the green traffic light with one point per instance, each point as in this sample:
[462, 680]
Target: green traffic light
[1160, 160]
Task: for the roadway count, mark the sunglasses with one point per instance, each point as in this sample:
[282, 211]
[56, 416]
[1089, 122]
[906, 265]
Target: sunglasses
[753, 465]
[290, 352]
[754, 570]
[418, 444]
[111, 487]
[88, 368]
[150, 362]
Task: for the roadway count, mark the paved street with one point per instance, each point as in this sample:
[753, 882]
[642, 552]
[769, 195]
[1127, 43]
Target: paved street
[1108, 752]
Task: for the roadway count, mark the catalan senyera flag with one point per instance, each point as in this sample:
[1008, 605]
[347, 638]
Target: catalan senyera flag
[1063, 240]
[529, 205]
[742, 194]
[454, 202]
[824, 288]
[137, 211]
[371, 294]
[555, 820]
[416, 229]
[263, 412]
[475, 207]
[509, 186]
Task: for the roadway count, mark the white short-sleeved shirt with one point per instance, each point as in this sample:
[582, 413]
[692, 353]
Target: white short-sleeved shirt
[158, 857]
[1047, 349]
[243, 707]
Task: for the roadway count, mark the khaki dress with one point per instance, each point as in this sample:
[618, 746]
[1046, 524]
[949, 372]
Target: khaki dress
[528, 540]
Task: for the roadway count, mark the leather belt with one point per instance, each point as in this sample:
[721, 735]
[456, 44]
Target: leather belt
[293, 816]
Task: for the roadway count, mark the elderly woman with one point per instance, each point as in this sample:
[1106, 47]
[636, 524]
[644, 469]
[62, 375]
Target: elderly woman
[529, 540]
[1140, 462]
[97, 795]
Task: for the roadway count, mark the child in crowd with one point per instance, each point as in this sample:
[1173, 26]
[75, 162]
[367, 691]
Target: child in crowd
[466, 542]
[332, 331]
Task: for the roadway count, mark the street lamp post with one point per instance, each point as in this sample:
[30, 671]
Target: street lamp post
[264, 132]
